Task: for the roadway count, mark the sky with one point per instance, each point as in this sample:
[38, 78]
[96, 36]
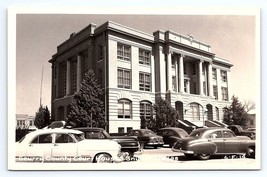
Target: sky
[230, 37]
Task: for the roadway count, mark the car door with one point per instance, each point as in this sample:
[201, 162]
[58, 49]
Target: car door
[40, 147]
[64, 148]
[218, 139]
[230, 142]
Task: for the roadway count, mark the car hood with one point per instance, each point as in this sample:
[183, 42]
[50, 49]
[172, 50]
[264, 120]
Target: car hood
[100, 144]
[126, 138]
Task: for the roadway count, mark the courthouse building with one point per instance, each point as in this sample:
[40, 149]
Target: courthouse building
[135, 67]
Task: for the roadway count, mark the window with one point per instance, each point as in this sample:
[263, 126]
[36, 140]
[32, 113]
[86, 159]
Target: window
[228, 134]
[124, 109]
[224, 76]
[74, 76]
[64, 138]
[63, 79]
[124, 78]
[144, 82]
[217, 134]
[204, 88]
[146, 109]
[124, 52]
[121, 130]
[173, 63]
[214, 74]
[144, 57]
[185, 85]
[224, 94]
[100, 52]
[215, 92]
[42, 139]
[31, 122]
[129, 129]
[217, 113]
[194, 107]
[174, 83]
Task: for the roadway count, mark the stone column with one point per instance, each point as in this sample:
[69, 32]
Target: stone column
[210, 85]
[79, 72]
[181, 74]
[176, 73]
[200, 78]
[169, 71]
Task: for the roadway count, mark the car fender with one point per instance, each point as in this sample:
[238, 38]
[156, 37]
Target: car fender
[203, 148]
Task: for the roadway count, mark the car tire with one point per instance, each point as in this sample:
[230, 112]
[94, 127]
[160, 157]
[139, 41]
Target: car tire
[250, 152]
[128, 156]
[203, 156]
[103, 158]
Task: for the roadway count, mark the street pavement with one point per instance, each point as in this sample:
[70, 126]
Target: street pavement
[164, 158]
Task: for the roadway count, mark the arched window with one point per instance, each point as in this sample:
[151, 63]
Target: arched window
[146, 109]
[194, 109]
[124, 109]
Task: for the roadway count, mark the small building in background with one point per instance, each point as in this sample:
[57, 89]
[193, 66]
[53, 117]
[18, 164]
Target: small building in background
[25, 121]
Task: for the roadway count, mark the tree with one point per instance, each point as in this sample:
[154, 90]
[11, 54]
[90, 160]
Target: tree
[42, 117]
[87, 107]
[166, 115]
[236, 113]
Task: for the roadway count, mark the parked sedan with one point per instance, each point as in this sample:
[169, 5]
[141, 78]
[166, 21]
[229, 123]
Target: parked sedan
[147, 137]
[129, 145]
[205, 142]
[172, 134]
[65, 145]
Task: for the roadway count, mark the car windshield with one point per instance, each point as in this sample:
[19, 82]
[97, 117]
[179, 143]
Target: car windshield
[79, 137]
[183, 133]
[196, 134]
[148, 132]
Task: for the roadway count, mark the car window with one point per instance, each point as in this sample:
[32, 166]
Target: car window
[228, 134]
[94, 135]
[131, 133]
[136, 133]
[64, 138]
[41, 139]
[171, 133]
[217, 134]
[79, 137]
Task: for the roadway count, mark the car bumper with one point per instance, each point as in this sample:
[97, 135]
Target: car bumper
[182, 151]
[155, 144]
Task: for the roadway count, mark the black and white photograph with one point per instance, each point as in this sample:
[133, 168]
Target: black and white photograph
[144, 90]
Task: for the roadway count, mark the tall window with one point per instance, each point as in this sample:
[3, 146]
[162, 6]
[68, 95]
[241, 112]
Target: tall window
[215, 92]
[63, 79]
[124, 109]
[217, 113]
[204, 88]
[224, 76]
[146, 109]
[194, 107]
[124, 52]
[173, 63]
[73, 76]
[144, 81]
[174, 83]
[214, 74]
[185, 71]
[124, 78]
[224, 93]
[100, 52]
[144, 57]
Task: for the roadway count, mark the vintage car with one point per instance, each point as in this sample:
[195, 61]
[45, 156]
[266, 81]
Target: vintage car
[147, 137]
[171, 135]
[129, 145]
[65, 145]
[239, 131]
[205, 142]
